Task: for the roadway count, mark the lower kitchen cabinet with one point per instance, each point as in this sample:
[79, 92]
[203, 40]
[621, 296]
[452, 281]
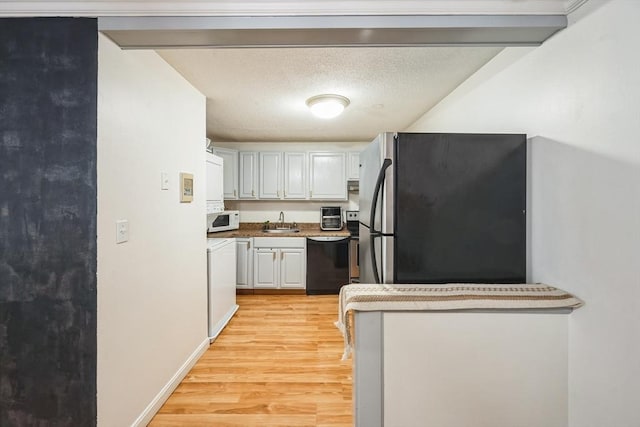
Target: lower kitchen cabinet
[292, 268]
[244, 263]
[279, 263]
[266, 266]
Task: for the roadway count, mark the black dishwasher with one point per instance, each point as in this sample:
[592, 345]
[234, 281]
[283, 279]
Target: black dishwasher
[327, 264]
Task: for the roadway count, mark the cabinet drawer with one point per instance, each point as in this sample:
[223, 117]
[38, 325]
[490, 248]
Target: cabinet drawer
[278, 242]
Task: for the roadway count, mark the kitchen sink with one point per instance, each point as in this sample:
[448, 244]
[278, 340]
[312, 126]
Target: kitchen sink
[281, 230]
[280, 227]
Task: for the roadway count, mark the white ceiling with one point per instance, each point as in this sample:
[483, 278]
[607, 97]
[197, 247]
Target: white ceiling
[260, 94]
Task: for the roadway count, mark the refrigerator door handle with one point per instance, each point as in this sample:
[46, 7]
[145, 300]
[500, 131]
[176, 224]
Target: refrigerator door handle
[376, 193]
[374, 204]
[374, 262]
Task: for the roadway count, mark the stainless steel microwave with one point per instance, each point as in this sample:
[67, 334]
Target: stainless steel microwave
[223, 221]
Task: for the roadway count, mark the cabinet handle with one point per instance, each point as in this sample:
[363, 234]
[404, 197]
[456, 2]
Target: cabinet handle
[253, 193]
[234, 193]
[249, 245]
[310, 193]
[274, 256]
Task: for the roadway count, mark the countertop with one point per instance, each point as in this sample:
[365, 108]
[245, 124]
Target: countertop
[254, 229]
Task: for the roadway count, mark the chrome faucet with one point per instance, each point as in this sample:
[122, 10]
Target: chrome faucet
[281, 219]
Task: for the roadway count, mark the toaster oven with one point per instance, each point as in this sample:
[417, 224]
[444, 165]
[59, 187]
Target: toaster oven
[331, 218]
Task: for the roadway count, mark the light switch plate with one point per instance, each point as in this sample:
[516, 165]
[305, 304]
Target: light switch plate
[122, 231]
[164, 181]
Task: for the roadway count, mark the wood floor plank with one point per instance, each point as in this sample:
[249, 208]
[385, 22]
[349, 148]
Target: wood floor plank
[277, 363]
[233, 420]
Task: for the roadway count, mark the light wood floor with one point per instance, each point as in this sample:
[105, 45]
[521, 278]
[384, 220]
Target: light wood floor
[277, 363]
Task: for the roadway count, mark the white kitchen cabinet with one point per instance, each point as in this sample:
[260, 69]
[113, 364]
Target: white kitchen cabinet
[214, 183]
[292, 268]
[353, 166]
[230, 158]
[270, 173]
[244, 263]
[295, 176]
[327, 176]
[248, 175]
[282, 176]
[266, 268]
[279, 263]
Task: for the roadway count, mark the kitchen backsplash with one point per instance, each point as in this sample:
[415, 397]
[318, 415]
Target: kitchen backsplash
[302, 211]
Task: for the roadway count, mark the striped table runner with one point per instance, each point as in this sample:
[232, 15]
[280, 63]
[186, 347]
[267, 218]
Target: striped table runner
[450, 296]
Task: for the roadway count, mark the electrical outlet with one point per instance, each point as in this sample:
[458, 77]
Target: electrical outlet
[122, 231]
[164, 181]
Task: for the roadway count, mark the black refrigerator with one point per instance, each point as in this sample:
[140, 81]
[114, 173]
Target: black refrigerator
[443, 208]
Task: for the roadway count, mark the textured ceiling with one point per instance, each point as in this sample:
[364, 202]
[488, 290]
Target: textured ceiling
[260, 94]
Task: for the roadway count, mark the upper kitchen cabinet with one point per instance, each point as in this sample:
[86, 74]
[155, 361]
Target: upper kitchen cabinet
[277, 175]
[230, 158]
[295, 176]
[282, 176]
[328, 176]
[353, 166]
[270, 172]
[214, 171]
[248, 175]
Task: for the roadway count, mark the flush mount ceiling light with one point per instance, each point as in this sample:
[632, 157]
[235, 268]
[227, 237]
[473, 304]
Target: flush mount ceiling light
[327, 106]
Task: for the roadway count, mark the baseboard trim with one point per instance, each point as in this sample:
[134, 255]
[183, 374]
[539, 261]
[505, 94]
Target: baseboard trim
[157, 402]
[271, 291]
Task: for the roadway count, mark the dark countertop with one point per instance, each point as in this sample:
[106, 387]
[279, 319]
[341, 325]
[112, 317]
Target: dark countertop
[254, 229]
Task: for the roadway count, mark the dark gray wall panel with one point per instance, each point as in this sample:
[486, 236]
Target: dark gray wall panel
[48, 113]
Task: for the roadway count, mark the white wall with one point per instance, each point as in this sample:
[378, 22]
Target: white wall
[152, 295]
[298, 211]
[578, 96]
[496, 369]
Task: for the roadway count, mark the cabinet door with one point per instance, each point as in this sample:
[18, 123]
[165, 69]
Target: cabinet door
[292, 268]
[270, 181]
[214, 172]
[248, 175]
[265, 268]
[230, 169]
[244, 264]
[353, 166]
[295, 176]
[328, 176]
